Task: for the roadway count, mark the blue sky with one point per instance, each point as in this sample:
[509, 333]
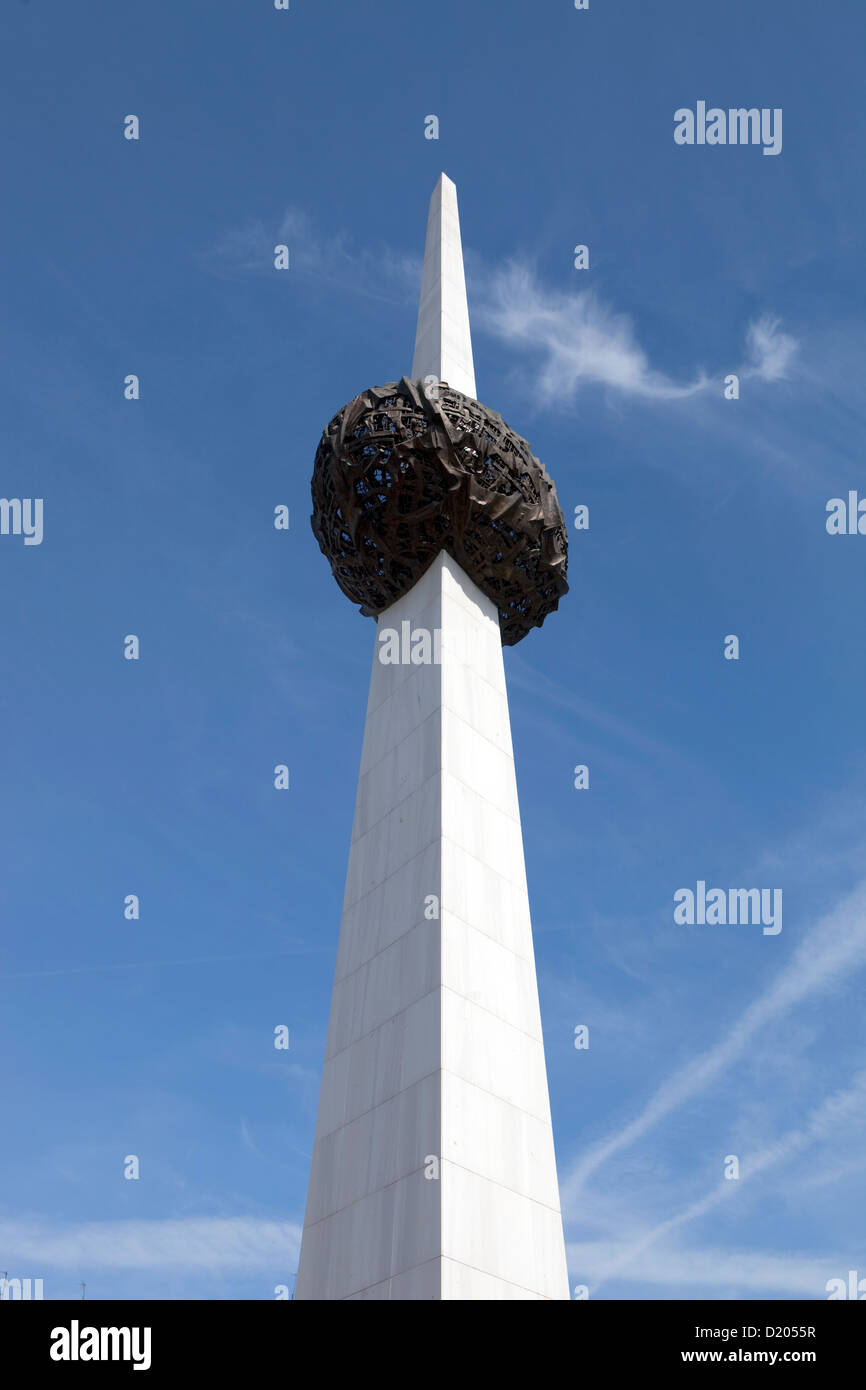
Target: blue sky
[707, 517]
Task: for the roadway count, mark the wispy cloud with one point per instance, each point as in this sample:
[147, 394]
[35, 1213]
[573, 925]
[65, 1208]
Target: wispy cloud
[832, 1113]
[760, 1273]
[575, 340]
[247, 1139]
[330, 259]
[835, 946]
[197, 1243]
[771, 352]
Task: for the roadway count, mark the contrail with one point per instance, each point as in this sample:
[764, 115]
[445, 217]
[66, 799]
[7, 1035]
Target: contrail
[141, 965]
[836, 946]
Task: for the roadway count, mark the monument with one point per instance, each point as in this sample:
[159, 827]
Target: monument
[433, 1173]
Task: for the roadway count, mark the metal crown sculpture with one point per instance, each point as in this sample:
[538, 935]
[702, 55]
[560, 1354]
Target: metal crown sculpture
[407, 470]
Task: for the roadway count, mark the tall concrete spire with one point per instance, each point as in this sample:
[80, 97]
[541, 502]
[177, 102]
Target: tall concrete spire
[433, 1173]
[443, 342]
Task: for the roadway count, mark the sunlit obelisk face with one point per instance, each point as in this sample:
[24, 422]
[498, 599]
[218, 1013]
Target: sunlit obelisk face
[433, 1172]
[443, 342]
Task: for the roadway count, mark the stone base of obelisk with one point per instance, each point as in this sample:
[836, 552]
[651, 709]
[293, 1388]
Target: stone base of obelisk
[433, 1172]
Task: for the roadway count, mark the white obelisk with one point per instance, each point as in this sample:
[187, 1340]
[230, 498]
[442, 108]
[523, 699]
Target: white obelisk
[433, 1172]
[443, 342]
